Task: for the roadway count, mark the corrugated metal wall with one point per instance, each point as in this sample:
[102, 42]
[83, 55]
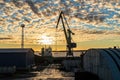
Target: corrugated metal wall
[30, 58]
[20, 58]
[100, 62]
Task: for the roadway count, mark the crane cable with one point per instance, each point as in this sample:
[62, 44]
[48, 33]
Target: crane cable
[66, 21]
[67, 25]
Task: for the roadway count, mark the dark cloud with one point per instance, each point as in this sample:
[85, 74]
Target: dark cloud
[21, 3]
[3, 38]
[93, 32]
[18, 3]
[118, 33]
[32, 6]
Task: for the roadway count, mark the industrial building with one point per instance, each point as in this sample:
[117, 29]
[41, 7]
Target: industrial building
[20, 58]
[103, 62]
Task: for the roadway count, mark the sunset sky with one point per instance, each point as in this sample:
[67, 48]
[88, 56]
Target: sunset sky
[95, 24]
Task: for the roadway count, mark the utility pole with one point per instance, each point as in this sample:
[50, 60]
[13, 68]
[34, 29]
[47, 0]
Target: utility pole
[22, 36]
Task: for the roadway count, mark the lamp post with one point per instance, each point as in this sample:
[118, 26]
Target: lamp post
[22, 36]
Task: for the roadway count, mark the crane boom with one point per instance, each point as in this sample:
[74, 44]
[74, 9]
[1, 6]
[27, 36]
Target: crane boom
[67, 33]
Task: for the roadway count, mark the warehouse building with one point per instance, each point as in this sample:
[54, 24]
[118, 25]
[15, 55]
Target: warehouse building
[20, 58]
[103, 62]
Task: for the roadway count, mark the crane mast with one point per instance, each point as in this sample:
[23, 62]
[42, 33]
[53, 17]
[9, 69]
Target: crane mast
[67, 33]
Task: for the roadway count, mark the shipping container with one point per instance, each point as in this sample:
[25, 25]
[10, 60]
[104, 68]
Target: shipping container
[103, 62]
[21, 58]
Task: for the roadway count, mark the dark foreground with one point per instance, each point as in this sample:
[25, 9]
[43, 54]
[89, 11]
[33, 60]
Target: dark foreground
[49, 72]
[51, 68]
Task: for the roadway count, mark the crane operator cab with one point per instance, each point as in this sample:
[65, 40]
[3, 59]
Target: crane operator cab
[71, 44]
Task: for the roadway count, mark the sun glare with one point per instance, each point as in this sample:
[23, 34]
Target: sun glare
[46, 40]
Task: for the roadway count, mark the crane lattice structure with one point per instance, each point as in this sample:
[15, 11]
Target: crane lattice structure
[70, 45]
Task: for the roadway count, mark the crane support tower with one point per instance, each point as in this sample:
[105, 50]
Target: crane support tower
[70, 45]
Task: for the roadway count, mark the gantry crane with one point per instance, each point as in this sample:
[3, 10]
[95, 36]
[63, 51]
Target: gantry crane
[67, 33]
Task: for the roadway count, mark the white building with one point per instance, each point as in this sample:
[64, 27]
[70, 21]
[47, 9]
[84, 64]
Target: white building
[103, 62]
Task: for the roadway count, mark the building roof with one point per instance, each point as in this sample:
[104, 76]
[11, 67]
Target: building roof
[113, 54]
[15, 50]
[112, 57]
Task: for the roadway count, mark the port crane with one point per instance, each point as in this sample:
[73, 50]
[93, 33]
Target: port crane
[67, 33]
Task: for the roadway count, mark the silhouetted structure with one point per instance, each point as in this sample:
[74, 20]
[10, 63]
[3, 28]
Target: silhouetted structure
[42, 51]
[70, 45]
[46, 51]
[22, 59]
[103, 62]
[22, 38]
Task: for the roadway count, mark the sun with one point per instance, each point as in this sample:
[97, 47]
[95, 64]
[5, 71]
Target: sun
[46, 40]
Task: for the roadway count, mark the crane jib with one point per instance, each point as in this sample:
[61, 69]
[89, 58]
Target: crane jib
[67, 33]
